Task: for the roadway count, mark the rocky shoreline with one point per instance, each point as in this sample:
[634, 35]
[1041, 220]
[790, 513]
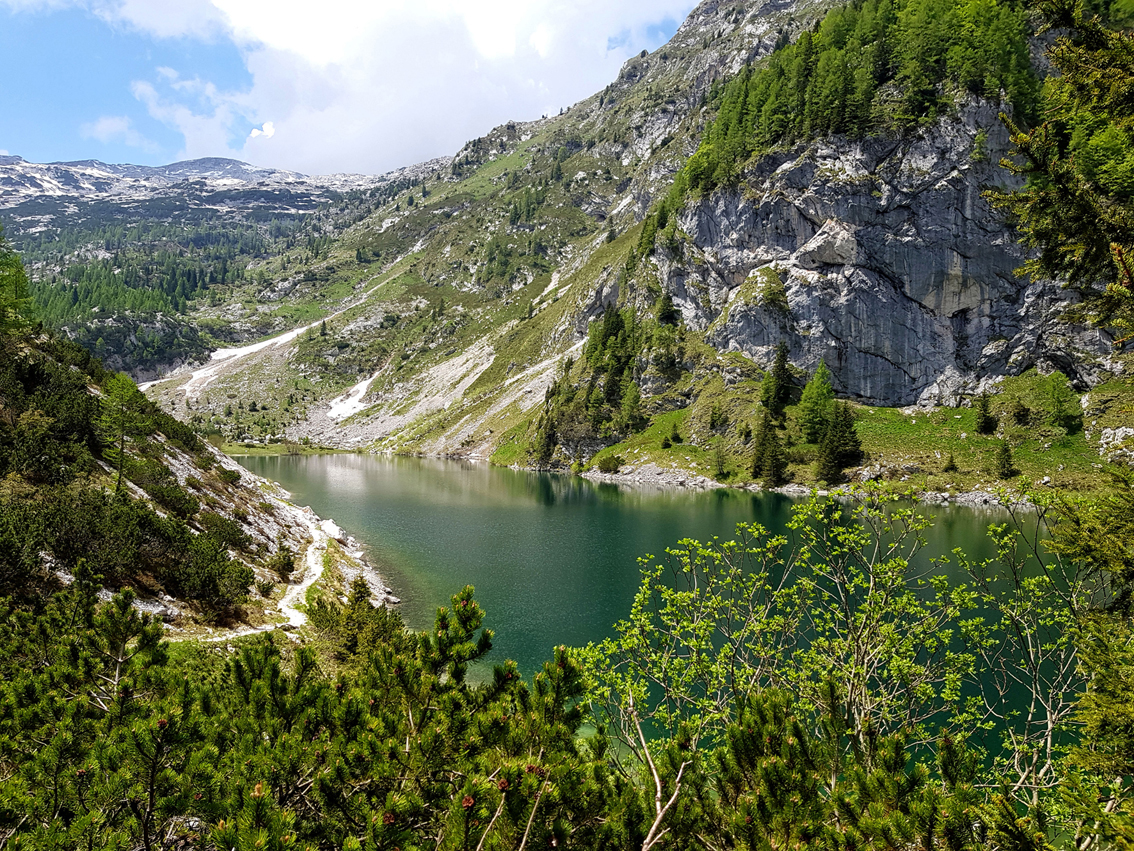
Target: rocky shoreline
[655, 476]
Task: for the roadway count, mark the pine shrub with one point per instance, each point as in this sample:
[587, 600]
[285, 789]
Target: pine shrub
[1003, 466]
[985, 421]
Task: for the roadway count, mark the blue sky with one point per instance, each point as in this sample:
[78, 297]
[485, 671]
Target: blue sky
[356, 87]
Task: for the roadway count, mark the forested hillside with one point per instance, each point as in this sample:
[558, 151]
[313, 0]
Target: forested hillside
[86, 485]
[139, 274]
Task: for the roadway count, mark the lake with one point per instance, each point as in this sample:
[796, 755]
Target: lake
[553, 557]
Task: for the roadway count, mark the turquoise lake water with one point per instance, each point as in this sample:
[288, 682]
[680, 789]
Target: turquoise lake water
[553, 558]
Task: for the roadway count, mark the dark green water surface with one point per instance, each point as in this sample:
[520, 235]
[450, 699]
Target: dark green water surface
[553, 558]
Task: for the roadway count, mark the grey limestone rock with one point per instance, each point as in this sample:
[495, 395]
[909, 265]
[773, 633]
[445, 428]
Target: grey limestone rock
[897, 272]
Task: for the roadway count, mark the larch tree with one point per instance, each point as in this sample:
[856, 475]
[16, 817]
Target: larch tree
[15, 302]
[122, 416]
[1077, 206]
[815, 405]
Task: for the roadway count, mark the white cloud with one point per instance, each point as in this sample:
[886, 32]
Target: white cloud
[197, 110]
[267, 131]
[162, 18]
[352, 86]
[116, 128]
[4, 152]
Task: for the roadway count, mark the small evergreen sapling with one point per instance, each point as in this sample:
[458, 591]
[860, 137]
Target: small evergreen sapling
[1003, 466]
[985, 421]
[123, 415]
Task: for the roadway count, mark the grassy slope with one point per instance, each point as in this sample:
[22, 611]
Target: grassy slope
[909, 446]
[430, 259]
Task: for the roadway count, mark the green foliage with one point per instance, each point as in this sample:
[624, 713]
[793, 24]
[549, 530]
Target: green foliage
[814, 410]
[153, 267]
[15, 302]
[610, 463]
[122, 416]
[1003, 467]
[160, 485]
[773, 470]
[984, 422]
[869, 67]
[776, 390]
[840, 447]
[1100, 535]
[757, 612]
[1063, 409]
[771, 293]
[609, 400]
[1077, 206]
[667, 314]
[112, 740]
[282, 562]
[769, 463]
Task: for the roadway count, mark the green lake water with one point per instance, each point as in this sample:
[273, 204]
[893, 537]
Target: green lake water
[553, 558]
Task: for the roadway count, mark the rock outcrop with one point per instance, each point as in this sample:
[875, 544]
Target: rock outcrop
[896, 271]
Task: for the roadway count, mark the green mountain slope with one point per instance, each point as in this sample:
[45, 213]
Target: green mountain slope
[823, 193]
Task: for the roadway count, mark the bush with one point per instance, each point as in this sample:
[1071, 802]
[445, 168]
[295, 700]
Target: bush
[212, 579]
[718, 419]
[226, 530]
[175, 499]
[1018, 412]
[610, 463]
[1003, 467]
[229, 477]
[282, 562]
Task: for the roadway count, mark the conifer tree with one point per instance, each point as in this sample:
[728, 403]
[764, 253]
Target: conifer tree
[1062, 408]
[1003, 467]
[1077, 207]
[774, 467]
[764, 431]
[123, 416]
[668, 314]
[840, 446]
[545, 442]
[985, 421]
[815, 405]
[775, 391]
[15, 302]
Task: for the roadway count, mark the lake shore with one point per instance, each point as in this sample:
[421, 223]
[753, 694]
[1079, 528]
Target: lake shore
[655, 476]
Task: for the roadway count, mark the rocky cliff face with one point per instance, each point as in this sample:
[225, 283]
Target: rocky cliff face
[897, 273]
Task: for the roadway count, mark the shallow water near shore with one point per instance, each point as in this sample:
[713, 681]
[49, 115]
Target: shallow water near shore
[554, 558]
